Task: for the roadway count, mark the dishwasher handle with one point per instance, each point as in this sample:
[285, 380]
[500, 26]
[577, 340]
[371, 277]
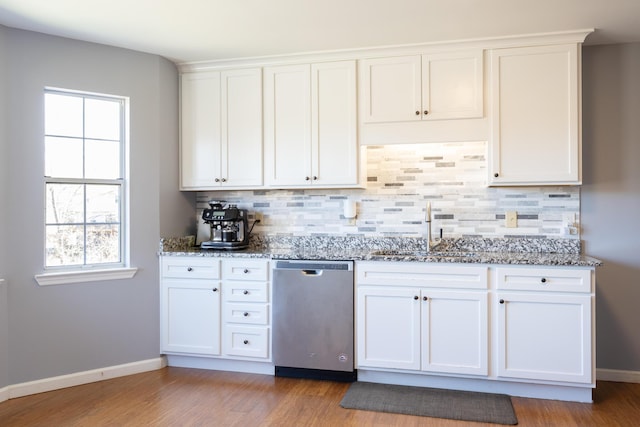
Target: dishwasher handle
[311, 272]
[310, 265]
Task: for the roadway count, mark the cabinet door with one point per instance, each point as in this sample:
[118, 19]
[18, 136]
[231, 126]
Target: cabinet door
[190, 317]
[535, 130]
[391, 89]
[455, 332]
[287, 115]
[241, 158]
[545, 337]
[334, 146]
[452, 85]
[388, 327]
[200, 130]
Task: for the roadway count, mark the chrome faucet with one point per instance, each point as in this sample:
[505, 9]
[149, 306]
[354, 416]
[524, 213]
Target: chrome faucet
[427, 219]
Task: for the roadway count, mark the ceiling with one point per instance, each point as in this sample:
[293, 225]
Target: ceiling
[202, 30]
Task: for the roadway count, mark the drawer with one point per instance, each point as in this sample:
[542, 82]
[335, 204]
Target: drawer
[421, 274]
[245, 291]
[191, 267]
[544, 279]
[246, 269]
[250, 313]
[246, 341]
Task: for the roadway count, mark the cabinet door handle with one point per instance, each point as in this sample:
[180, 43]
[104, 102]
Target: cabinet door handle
[425, 298]
[426, 112]
[501, 301]
[246, 271]
[246, 342]
[189, 269]
[417, 112]
[495, 175]
[543, 280]
[416, 297]
[217, 180]
[245, 314]
[215, 289]
[306, 178]
[246, 292]
[315, 178]
[224, 180]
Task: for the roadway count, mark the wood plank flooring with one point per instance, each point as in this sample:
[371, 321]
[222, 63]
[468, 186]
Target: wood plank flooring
[192, 397]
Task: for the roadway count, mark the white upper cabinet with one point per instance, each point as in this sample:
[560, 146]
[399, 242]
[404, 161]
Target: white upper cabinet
[535, 116]
[200, 130]
[310, 125]
[437, 86]
[221, 129]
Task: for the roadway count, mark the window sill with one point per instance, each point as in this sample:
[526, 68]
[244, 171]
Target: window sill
[68, 277]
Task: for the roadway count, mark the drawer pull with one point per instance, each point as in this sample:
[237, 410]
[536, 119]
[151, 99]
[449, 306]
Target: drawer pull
[246, 292]
[189, 269]
[501, 301]
[416, 297]
[246, 342]
[245, 314]
[246, 271]
[215, 289]
[543, 280]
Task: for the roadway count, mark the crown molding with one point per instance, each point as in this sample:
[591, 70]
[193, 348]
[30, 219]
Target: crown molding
[561, 37]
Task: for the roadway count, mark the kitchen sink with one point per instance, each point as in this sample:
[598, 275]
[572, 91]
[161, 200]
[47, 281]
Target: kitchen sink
[434, 254]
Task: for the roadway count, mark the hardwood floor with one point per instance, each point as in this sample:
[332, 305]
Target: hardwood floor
[192, 397]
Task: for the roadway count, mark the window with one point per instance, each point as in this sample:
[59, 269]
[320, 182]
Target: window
[84, 181]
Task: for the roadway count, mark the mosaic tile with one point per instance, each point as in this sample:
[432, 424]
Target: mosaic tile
[400, 180]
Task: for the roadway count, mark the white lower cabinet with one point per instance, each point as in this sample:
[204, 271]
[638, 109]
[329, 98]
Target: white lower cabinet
[245, 317]
[215, 307]
[190, 306]
[437, 318]
[388, 327]
[440, 328]
[545, 328]
[454, 332]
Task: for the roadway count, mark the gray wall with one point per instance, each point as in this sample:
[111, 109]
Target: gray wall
[4, 319]
[611, 197]
[62, 329]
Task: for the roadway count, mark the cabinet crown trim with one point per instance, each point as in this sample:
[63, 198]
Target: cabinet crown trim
[558, 37]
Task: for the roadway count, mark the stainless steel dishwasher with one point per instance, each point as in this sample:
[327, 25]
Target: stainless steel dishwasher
[313, 319]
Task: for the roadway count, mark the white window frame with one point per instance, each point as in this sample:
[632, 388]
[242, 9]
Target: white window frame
[56, 275]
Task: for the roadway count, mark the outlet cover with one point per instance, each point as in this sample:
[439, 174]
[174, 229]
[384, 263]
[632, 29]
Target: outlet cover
[511, 219]
[258, 217]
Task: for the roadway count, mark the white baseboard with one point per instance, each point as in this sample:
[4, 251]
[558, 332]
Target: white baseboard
[4, 394]
[79, 378]
[618, 376]
[250, 367]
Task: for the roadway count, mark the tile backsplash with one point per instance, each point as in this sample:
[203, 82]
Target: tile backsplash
[401, 179]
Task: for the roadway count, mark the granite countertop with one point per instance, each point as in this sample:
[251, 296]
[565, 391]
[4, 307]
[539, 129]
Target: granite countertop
[513, 251]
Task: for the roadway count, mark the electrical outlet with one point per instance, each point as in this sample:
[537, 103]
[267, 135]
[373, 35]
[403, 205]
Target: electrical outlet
[257, 216]
[511, 219]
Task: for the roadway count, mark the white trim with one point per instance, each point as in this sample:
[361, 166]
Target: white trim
[81, 276]
[86, 377]
[246, 366]
[4, 394]
[618, 375]
[572, 36]
[577, 393]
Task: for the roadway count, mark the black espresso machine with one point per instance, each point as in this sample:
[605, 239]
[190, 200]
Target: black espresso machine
[229, 226]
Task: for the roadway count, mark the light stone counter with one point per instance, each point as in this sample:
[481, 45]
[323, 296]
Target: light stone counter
[512, 251]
